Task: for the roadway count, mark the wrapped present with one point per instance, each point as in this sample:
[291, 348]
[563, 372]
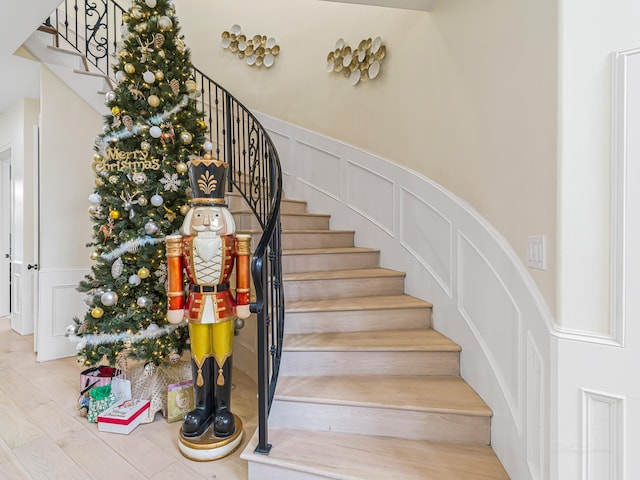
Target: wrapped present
[100, 398]
[179, 400]
[123, 417]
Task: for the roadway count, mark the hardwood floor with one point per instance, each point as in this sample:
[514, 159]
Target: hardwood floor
[41, 436]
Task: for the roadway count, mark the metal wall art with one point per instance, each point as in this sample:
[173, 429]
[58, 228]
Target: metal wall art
[257, 50]
[358, 64]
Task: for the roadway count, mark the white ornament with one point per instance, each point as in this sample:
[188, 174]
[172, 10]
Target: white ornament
[156, 200]
[149, 77]
[208, 146]
[110, 96]
[95, 198]
[134, 280]
[120, 76]
[153, 327]
[150, 3]
[155, 131]
[170, 182]
[143, 302]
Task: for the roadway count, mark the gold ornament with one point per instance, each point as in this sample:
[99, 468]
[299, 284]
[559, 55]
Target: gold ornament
[161, 53]
[94, 255]
[115, 111]
[99, 182]
[191, 86]
[184, 209]
[97, 157]
[114, 214]
[143, 272]
[123, 54]
[92, 210]
[186, 138]
[201, 123]
[145, 146]
[175, 86]
[129, 68]
[159, 75]
[97, 312]
[181, 167]
[153, 100]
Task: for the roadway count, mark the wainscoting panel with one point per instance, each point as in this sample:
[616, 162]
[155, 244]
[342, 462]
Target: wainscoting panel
[602, 436]
[371, 195]
[427, 234]
[319, 169]
[486, 304]
[59, 302]
[536, 392]
[484, 298]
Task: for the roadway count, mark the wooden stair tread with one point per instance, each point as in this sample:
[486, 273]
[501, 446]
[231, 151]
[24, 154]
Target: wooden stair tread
[361, 457]
[381, 302]
[442, 394]
[350, 274]
[419, 340]
[329, 251]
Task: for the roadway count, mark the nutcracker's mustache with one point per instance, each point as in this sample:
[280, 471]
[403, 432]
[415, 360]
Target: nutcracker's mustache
[203, 228]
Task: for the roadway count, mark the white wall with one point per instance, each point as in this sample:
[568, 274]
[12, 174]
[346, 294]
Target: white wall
[467, 94]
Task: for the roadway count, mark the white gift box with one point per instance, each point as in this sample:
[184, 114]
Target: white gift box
[123, 417]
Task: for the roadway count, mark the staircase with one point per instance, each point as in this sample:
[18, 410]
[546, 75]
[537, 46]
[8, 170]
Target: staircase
[367, 389]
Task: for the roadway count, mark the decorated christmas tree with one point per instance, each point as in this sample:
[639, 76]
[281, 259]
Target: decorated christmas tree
[141, 192]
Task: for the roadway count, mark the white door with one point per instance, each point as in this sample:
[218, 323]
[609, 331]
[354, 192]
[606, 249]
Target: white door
[5, 233]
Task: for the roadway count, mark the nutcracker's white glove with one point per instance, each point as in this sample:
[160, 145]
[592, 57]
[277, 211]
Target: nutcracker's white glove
[242, 311]
[175, 316]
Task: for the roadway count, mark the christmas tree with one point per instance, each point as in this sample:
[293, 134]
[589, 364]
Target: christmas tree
[141, 192]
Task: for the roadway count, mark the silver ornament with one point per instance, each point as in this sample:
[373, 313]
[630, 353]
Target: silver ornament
[143, 302]
[117, 268]
[238, 324]
[157, 200]
[109, 299]
[72, 329]
[150, 369]
[165, 23]
[151, 227]
[95, 198]
[134, 280]
[153, 327]
[110, 96]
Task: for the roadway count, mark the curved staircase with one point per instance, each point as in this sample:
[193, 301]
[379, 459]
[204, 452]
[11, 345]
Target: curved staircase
[367, 389]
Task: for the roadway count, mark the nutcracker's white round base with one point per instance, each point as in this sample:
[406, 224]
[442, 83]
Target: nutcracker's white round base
[207, 447]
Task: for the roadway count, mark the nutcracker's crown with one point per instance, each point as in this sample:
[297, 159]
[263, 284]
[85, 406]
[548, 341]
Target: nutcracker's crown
[208, 179]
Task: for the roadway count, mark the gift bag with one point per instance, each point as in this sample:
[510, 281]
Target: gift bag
[98, 376]
[100, 398]
[179, 400]
[121, 389]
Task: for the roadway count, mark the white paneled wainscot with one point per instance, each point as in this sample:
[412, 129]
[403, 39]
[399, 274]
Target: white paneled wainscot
[484, 298]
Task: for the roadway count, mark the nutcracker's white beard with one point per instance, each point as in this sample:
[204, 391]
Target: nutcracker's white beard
[207, 244]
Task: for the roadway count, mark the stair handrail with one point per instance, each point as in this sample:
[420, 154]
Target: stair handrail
[254, 172]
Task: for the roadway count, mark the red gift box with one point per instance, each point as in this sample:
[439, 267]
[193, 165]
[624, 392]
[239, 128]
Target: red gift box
[124, 416]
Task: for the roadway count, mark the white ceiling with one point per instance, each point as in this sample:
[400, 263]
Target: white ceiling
[19, 77]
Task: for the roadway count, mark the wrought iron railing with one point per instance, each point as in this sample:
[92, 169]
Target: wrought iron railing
[92, 28]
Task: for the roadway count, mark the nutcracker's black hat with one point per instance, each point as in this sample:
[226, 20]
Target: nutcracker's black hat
[208, 179]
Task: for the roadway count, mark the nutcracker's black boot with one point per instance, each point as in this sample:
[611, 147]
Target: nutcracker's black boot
[198, 420]
[223, 423]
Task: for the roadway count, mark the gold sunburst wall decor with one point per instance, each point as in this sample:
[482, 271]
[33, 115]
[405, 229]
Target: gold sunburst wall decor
[257, 51]
[357, 64]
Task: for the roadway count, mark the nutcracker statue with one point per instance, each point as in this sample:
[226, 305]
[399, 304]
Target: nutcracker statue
[206, 251]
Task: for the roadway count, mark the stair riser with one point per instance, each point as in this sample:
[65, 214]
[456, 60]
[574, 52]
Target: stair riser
[355, 321]
[248, 221]
[292, 240]
[362, 420]
[276, 472]
[342, 288]
[237, 204]
[323, 262]
[369, 363]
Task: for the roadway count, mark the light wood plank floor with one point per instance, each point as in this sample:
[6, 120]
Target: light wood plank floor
[41, 436]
